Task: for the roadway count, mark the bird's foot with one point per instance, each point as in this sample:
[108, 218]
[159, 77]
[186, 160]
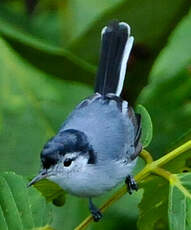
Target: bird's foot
[131, 184]
[96, 214]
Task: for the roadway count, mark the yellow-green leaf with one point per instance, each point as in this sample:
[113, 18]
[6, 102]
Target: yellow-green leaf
[146, 124]
[51, 191]
[179, 209]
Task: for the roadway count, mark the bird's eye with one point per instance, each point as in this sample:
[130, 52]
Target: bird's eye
[67, 162]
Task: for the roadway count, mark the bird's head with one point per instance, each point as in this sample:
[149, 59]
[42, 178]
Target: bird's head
[64, 155]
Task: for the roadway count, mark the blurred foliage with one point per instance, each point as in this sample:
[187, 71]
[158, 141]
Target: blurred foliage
[49, 52]
[63, 26]
[167, 96]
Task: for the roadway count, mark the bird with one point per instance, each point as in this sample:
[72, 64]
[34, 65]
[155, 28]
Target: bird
[97, 146]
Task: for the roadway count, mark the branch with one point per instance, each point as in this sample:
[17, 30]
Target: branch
[173, 154]
[173, 179]
[146, 156]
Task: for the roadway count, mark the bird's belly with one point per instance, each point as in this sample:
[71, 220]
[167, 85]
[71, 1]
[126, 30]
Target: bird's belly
[94, 182]
[92, 188]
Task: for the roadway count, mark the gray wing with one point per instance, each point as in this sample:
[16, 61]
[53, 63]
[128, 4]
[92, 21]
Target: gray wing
[136, 120]
[111, 127]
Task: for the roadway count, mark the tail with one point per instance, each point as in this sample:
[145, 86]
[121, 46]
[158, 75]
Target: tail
[115, 49]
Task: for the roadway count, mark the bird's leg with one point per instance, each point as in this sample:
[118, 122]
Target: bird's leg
[94, 211]
[131, 184]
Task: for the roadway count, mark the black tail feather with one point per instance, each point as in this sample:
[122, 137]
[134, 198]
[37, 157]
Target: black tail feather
[115, 49]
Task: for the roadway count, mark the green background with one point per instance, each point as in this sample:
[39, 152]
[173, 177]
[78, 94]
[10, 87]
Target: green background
[48, 61]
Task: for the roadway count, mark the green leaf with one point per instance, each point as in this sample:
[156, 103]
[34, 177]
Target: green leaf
[153, 208]
[51, 191]
[179, 210]
[170, 207]
[146, 124]
[33, 106]
[17, 206]
[167, 97]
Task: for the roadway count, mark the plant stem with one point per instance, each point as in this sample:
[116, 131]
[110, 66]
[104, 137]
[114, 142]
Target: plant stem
[146, 156]
[173, 154]
[151, 167]
[163, 173]
[173, 179]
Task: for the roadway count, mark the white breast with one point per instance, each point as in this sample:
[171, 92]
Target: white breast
[95, 180]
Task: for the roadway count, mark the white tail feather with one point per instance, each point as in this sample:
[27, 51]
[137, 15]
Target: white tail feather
[126, 53]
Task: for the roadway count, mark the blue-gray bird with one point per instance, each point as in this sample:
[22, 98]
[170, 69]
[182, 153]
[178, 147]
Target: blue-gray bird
[97, 146]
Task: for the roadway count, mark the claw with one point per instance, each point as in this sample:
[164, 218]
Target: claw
[96, 214]
[131, 184]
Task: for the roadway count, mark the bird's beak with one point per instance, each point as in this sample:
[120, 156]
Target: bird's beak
[43, 174]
